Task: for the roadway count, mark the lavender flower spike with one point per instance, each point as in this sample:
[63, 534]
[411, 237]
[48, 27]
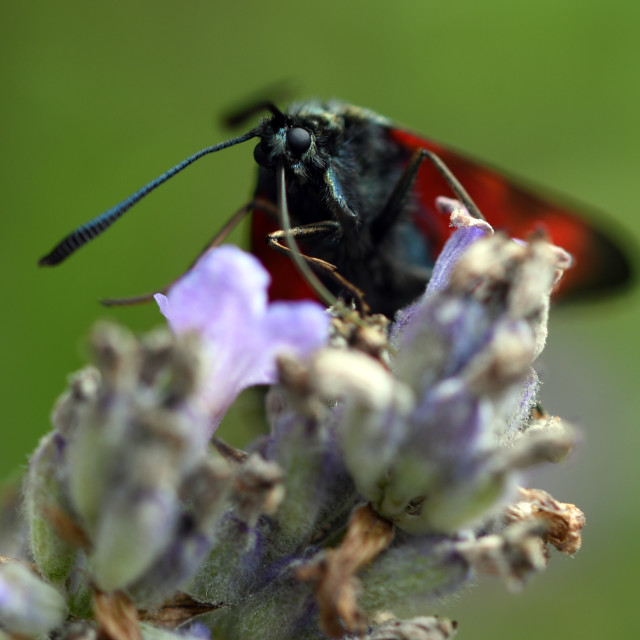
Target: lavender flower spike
[465, 352]
[224, 300]
[389, 477]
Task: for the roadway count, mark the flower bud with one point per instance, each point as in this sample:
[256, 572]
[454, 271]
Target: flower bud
[28, 606]
[133, 529]
[46, 505]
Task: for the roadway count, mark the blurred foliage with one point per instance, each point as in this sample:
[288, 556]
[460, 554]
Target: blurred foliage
[99, 98]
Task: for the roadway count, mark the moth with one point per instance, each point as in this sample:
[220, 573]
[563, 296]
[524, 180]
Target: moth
[361, 191]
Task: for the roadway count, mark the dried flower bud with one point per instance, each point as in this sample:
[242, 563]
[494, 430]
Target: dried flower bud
[562, 523]
[425, 628]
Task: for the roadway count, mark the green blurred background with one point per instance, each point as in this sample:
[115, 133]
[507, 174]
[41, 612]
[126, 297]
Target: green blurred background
[97, 98]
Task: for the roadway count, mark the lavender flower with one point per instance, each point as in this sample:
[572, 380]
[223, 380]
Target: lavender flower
[426, 446]
[225, 301]
[388, 478]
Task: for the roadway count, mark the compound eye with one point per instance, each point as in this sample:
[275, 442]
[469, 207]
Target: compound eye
[260, 156]
[298, 140]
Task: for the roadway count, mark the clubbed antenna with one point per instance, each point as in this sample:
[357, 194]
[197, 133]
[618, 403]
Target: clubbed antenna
[92, 229]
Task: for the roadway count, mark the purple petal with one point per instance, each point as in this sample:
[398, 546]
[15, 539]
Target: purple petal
[468, 230]
[224, 299]
[225, 283]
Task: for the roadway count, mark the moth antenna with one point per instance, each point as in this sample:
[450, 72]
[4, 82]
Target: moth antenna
[453, 182]
[264, 99]
[92, 229]
[240, 116]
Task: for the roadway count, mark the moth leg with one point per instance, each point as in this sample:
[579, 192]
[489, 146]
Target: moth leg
[217, 239]
[344, 212]
[453, 182]
[277, 241]
[222, 233]
[395, 205]
[312, 230]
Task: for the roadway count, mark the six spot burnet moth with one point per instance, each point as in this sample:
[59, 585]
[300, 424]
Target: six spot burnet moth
[361, 192]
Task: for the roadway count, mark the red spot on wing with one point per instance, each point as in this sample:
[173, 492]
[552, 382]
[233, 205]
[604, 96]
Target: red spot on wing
[598, 262]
